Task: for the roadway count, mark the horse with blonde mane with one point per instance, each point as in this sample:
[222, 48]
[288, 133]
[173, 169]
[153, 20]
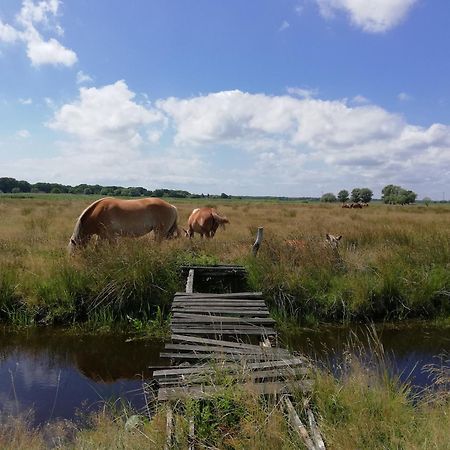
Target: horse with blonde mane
[110, 218]
[205, 221]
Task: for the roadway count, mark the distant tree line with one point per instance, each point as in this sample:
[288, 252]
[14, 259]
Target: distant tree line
[357, 195]
[391, 194]
[13, 186]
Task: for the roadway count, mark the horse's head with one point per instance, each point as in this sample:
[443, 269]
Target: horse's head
[71, 247]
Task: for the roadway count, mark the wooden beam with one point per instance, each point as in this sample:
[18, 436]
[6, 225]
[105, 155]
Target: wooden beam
[237, 311]
[216, 348]
[317, 437]
[190, 282]
[259, 238]
[286, 373]
[214, 331]
[169, 428]
[230, 295]
[199, 318]
[174, 393]
[219, 302]
[218, 342]
[298, 425]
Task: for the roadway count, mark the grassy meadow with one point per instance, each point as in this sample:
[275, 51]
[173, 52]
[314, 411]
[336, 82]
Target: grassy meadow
[393, 262]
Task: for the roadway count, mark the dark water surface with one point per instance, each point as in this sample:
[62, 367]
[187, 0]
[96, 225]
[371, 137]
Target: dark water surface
[57, 373]
[408, 348]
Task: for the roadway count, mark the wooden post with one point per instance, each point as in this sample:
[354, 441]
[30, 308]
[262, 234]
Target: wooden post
[190, 282]
[191, 440]
[257, 244]
[298, 426]
[317, 437]
[169, 428]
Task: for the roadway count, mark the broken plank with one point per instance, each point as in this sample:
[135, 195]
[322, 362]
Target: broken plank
[220, 356]
[274, 387]
[235, 350]
[199, 340]
[286, 373]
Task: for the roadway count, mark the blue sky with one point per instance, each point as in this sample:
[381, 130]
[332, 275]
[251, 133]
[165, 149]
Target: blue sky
[257, 97]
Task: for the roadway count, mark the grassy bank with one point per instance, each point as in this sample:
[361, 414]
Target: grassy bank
[393, 263]
[362, 407]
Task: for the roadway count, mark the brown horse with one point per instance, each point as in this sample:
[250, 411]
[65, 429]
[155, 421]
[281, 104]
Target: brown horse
[205, 221]
[109, 218]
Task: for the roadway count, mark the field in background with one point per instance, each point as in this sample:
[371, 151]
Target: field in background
[393, 262]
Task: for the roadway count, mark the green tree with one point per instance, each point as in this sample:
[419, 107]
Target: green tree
[16, 190]
[426, 200]
[392, 194]
[329, 197]
[365, 195]
[356, 195]
[343, 196]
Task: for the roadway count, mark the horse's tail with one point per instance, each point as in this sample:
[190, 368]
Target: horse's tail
[221, 220]
[174, 230]
[76, 237]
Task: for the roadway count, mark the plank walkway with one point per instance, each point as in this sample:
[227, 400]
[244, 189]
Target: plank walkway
[212, 333]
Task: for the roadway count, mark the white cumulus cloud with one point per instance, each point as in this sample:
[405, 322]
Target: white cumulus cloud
[374, 16]
[39, 49]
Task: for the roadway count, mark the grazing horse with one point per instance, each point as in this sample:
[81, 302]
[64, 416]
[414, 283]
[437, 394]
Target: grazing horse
[204, 221]
[109, 218]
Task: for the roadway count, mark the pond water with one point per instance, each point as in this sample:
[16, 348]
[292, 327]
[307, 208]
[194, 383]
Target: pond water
[56, 373]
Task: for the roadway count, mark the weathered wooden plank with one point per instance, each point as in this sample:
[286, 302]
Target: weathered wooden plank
[220, 326]
[198, 318]
[215, 331]
[229, 295]
[274, 364]
[216, 348]
[237, 312]
[220, 356]
[219, 304]
[218, 342]
[190, 282]
[219, 301]
[173, 393]
[287, 364]
[286, 373]
[298, 425]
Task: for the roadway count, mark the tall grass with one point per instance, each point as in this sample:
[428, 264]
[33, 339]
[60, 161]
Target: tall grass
[393, 262]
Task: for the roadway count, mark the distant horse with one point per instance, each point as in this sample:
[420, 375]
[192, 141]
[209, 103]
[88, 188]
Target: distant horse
[109, 218]
[205, 221]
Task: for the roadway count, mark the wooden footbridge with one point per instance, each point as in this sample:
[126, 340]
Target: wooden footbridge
[232, 333]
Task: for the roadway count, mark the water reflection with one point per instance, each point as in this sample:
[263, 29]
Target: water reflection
[56, 374]
[407, 348]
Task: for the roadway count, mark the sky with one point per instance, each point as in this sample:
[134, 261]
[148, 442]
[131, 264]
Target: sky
[255, 97]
